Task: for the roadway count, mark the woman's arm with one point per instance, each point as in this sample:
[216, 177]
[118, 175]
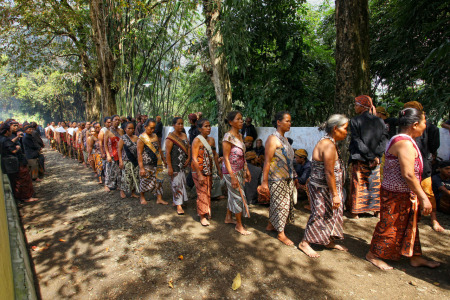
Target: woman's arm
[212, 143]
[140, 150]
[270, 147]
[329, 154]
[160, 150]
[89, 146]
[119, 151]
[169, 145]
[226, 147]
[105, 142]
[195, 164]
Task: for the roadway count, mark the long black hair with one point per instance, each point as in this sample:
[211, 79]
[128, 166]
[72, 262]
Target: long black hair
[150, 120]
[408, 117]
[201, 122]
[279, 117]
[231, 116]
[175, 120]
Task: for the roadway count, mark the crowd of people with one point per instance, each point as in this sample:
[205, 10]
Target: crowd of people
[395, 173]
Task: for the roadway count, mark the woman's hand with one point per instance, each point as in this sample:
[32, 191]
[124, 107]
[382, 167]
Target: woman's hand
[108, 158]
[121, 165]
[426, 206]
[201, 178]
[265, 186]
[186, 164]
[142, 172]
[170, 172]
[234, 181]
[248, 176]
[336, 201]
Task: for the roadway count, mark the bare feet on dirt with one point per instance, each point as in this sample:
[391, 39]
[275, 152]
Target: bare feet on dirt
[31, 200]
[161, 201]
[270, 227]
[419, 261]
[284, 239]
[180, 210]
[107, 189]
[437, 227]
[134, 195]
[38, 180]
[204, 221]
[306, 248]
[353, 216]
[307, 207]
[377, 262]
[229, 220]
[241, 229]
[122, 195]
[332, 245]
[143, 201]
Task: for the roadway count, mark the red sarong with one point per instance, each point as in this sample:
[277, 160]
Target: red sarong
[203, 195]
[21, 184]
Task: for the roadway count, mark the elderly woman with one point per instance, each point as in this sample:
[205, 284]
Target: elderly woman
[278, 177]
[178, 154]
[128, 162]
[235, 171]
[397, 232]
[325, 189]
[151, 163]
[93, 149]
[203, 169]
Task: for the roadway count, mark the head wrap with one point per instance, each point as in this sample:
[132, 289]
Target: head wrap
[248, 139]
[444, 164]
[192, 117]
[364, 101]
[413, 104]
[301, 153]
[250, 155]
[382, 110]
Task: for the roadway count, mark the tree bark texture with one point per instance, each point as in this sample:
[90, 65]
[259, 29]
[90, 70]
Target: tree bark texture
[105, 58]
[352, 54]
[219, 76]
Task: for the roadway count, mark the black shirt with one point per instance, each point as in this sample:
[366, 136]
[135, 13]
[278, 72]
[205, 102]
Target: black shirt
[31, 147]
[391, 124]
[159, 129]
[303, 171]
[369, 136]
[20, 154]
[428, 144]
[249, 130]
[193, 132]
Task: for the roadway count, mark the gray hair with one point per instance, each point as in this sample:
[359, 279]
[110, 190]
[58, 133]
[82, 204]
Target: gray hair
[336, 120]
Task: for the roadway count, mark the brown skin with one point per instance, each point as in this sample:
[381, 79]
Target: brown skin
[407, 154]
[34, 173]
[149, 129]
[272, 144]
[326, 152]
[101, 138]
[236, 126]
[129, 130]
[108, 134]
[178, 131]
[205, 131]
[90, 141]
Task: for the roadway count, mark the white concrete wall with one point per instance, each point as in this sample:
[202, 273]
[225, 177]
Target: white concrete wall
[307, 137]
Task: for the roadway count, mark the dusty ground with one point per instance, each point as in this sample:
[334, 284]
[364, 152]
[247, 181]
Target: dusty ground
[92, 245]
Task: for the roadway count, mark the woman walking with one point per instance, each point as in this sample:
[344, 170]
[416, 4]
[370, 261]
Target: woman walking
[128, 162]
[325, 189]
[178, 155]
[235, 171]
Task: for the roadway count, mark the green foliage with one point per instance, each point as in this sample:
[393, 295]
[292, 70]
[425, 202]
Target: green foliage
[410, 57]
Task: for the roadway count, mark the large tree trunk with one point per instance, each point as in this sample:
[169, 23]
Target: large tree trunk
[220, 76]
[352, 54]
[93, 101]
[105, 58]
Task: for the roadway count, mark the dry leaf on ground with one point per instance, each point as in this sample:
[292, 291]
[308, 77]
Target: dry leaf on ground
[236, 282]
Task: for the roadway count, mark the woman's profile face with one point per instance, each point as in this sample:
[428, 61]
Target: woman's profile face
[150, 128]
[421, 126]
[340, 133]
[285, 123]
[130, 129]
[206, 128]
[178, 126]
[238, 122]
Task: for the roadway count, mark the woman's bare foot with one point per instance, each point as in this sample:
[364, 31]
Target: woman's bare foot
[377, 214]
[143, 201]
[31, 200]
[134, 195]
[229, 220]
[284, 239]
[241, 229]
[332, 245]
[107, 189]
[38, 180]
[419, 261]
[306, 248]
[180, 210]
[307, 207]
[270, 227]
[353, 216]
[377, 262]
[204, 221]
[436, 226]
[122, 195]
[159, 200]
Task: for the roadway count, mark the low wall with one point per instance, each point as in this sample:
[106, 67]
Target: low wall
[307, 138]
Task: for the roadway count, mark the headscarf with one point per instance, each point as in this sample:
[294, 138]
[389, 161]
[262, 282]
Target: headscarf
[444, 164]
[382, 110]
[192, 117]
[301, 153]
[413, 104]
[248, 139]
[250, 155]
[364, 101]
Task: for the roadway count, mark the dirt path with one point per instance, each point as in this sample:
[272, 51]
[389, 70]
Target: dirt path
[93, 245]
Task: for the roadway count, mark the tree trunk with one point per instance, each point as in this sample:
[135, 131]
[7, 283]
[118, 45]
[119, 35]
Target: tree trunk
[352, 54]
[220, 76]
[105, 58]
[93, 95]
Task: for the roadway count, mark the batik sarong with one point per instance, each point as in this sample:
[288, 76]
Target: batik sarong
[33, 166]
[21, 184]
[281, 210]
[179, 188]
[149, 181]
[203, 194]
[98, 163]
[130, 177]
[235, 203]
[86, 156]
[112, 174]
[397, 232]
[365, 188]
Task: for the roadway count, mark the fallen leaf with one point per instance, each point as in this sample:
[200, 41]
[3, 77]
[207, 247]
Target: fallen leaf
[236, 282]
[171, 283]
[39, 249]
[80, 227]
[66, 223]
[61, 240]
[107, 249]
[180, 257]
[140, 249]
[436, 283]
[413, 283]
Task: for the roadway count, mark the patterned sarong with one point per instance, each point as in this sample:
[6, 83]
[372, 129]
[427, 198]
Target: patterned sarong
[130, 177]
[112, 174]
[397, 232]
[98, 163]
[235, 203]
[203, 195]
[149, 182]
[281, 210]
[365, 188]
[22, 184]
[179, 188]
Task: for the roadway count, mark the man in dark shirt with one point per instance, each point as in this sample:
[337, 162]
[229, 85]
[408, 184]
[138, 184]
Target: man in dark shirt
[32, 149]
[159, 128]
[441, 187]
[391, 123]
[249, 129]
[193, 131]
[369, 136]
